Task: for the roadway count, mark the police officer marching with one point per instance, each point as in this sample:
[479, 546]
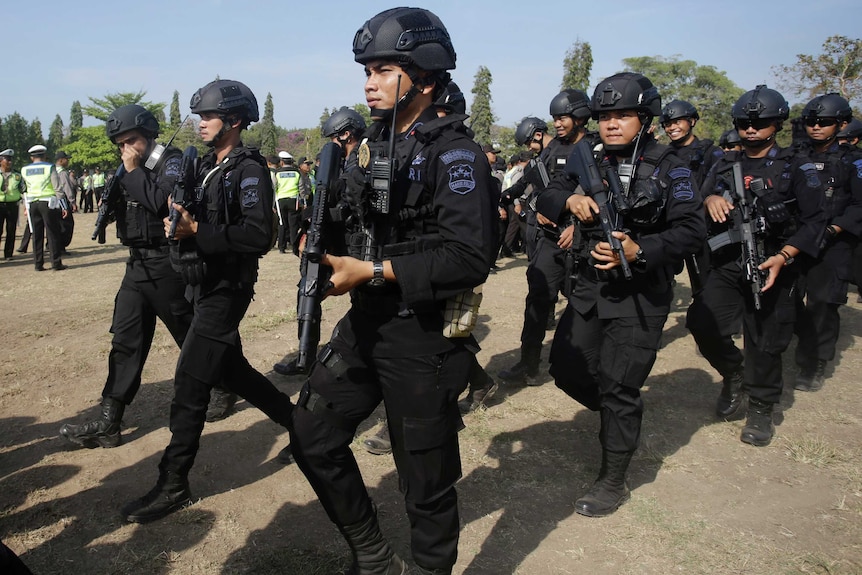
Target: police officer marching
[10, 197]
[607, 340]
[220, 238]
[434, 242]
[678, 118]
[45, 206]
[550, 238]
[825, 283]
[785, 222]
[150, 288]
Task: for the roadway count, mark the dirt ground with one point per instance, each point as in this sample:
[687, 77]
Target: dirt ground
[702, 501]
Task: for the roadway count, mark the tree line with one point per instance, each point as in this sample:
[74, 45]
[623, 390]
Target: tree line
[837, 69]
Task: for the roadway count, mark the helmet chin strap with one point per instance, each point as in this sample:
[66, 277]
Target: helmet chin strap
[225, 128]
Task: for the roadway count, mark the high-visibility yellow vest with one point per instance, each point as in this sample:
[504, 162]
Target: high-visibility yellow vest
[99, 180]
[37, 177]
[288, 184]
[10, 189]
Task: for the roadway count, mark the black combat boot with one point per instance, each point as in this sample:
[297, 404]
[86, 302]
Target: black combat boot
[287, 366]
[758, 430]
[378, 444]
[221, 404]
[170, 494]
[476, 398]
[527, 368]
[731, 395]
[610, 489]
[102, 432]
[372, 554]
[811, 378]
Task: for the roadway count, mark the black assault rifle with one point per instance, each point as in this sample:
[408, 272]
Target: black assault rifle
[314, 283]
[107, 203]
[609, 197]
[184, 184]
[745, 225]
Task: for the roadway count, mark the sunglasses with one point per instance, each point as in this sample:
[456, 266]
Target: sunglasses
[822, 122]
[757, 124]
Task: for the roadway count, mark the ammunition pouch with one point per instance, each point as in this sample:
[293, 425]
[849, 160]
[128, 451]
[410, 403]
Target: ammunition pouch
[774, 209]
[186, 260]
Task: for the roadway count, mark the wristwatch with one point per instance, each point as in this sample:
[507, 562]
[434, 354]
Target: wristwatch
[788, 259]
[640, 258]
[378, 279]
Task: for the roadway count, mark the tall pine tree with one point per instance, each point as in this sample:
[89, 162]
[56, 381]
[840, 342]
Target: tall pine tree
[577, 66]
[481, 116]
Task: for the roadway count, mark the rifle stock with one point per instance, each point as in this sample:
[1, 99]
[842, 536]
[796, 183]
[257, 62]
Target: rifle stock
[106, 205]
[313, 285]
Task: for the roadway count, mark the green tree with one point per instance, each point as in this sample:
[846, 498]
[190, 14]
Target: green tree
[76, 116]
[268, 132]
[101, 108]
[577, 66]
[363, 111]
[324, 117]
[837, 69]
[481, 116]
[56, 135]
[90, 147]
[35, 133]
[176, 115]
[16, 135]
[705, 87]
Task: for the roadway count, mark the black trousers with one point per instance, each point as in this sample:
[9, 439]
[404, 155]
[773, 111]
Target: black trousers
[46, 222]
[150, 289]
[420, 395]
[9, 222]
[67, 228]
[545, 276]
[288, 229]
[715, 315]
[212, 350]
[603, 363]
[824, 288]
[86, 201]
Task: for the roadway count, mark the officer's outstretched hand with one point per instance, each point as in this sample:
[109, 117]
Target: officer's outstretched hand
[583, 207]
[566, 237]
[186, 225]
[604, 253]
[774, 265]
[347, 273]
[717, 207]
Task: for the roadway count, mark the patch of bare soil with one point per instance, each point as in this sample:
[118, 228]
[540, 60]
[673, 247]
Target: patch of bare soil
[702, 502]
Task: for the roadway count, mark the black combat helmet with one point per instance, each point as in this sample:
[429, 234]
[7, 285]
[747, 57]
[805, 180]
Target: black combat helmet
[527, 128]
[451, 99]
[729, 138]
[131, 117]
[627, 91]
[676, 109]
[852, 130]
[572, 103]
[226, 97]
[343, 119]
[407, 36]
[762, 102]
[828, 106]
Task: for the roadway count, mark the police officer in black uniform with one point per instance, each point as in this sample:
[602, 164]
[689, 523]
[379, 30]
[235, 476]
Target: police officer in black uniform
[547, 268]
[217, 253]
[730, 141]
[788, 206]
[608, 337]
[436, 242]
[151, 288]
[678, 118]
[826, 282]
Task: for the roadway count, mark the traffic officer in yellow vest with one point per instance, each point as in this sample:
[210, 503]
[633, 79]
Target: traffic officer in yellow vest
[46, 207]
[287, 202]
[10, 196]
[98, 183]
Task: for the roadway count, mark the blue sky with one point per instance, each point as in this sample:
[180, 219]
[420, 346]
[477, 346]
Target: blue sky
[301, 52]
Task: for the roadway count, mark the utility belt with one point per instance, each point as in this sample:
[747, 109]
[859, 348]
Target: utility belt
[146, 253]
[585, 269]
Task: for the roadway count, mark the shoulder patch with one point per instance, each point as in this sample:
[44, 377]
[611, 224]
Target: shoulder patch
[808, 166]
[458, 155]
[461, 180]
[858, 164]
[172, 167]
[682, 190]
[249, 198]
[250, 181]
[677, 173]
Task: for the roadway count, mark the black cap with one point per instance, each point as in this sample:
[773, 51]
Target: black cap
[489, 148]
[61, 155]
